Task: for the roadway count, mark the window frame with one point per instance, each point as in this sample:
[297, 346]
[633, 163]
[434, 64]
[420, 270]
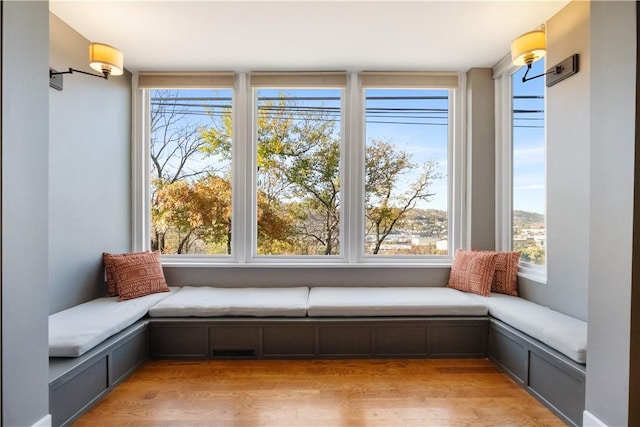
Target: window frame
[456, 155]
[244, 186]
[294, 81]
[503, 74]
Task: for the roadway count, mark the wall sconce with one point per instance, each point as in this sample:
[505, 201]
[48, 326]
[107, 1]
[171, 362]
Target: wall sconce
[102, 57]
[531, 46]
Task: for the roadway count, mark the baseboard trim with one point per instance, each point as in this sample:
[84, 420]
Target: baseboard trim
[44, 422]
[589, 420]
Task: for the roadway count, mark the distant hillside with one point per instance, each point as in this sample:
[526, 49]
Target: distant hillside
[526, 219]
[431, 215]
[433, 223]
[425, 223]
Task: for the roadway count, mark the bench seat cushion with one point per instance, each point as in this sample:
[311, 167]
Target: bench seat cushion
[74, 331]
[563, 333]
[206, 301]
[392, 301]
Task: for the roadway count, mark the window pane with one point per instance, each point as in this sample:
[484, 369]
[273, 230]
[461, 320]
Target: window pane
[190, 179]
[529, 193]
[298, 171]
[406, 152]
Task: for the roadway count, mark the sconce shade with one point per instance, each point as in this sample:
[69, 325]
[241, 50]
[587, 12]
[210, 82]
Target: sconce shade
[528, 48]
[105, 59]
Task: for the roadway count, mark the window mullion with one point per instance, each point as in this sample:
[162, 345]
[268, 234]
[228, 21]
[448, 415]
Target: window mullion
[353, 175]
[460, 219]
[140, 169]
[242, 178]
[504, 167]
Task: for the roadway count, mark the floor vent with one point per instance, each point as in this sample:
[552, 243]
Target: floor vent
[235, 353]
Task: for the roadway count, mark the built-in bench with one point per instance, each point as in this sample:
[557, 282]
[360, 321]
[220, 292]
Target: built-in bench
[318, 322]
[210, 323]
[543, 350]
[76, 330]
[93, 347]
[76, 383]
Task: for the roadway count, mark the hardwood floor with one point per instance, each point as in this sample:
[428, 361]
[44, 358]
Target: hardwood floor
[314, 393]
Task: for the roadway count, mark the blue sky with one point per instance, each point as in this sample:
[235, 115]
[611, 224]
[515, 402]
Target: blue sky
[529, 141]
[420, 127]
[416, 125]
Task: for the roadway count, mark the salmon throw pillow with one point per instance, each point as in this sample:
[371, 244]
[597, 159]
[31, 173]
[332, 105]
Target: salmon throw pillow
[110, 261]
[472, 271]
[505, 279]
[133, 275]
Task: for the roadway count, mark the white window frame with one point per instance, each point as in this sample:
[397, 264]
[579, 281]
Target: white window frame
[503, 74]
[456, 166]
[294, 81]
[243, 245]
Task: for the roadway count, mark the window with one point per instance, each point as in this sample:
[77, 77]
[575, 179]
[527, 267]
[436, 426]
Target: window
[190, 184]
[298, 146]
[331, 168]
[521, 168]
[406, 151]
[529, 234]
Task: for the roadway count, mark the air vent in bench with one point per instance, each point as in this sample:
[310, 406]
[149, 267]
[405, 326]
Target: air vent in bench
[233, 353]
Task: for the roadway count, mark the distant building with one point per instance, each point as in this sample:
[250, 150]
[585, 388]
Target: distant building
[442, 245]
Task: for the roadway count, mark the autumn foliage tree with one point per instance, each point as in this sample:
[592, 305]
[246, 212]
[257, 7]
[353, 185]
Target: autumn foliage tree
[198, 210]
[175, 148]
[298, 204]
[298, 169]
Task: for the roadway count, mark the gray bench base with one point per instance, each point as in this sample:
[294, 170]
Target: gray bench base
[75, 384]
[551, 377]
[232, 338]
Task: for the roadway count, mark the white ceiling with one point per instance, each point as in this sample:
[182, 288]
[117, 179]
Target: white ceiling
[306, 34]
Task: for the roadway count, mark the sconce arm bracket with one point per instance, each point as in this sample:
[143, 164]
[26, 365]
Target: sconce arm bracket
[526, 79]
[55, 77]
[558, 72]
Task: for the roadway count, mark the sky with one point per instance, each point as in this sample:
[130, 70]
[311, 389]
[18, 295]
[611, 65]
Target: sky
[417, 121]
[529, 141]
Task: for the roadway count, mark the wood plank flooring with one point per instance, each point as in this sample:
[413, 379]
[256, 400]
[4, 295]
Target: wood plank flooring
[319, 393]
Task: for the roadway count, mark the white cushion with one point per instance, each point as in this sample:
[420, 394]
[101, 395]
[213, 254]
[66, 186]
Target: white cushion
[206, 301]
[563, 333]
[392, 301]
[74, 331]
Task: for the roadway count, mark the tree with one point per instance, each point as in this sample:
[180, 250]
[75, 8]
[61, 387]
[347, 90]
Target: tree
[276, 231]
[386, 203]
[197, 210]
[312, 167]
[298, 175]
[176, 153]
[298, 169]
[530, 251]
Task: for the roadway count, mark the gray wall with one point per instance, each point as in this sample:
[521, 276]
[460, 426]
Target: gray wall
[25, 30]
[568, 168]
[613, 103]
[482, 159]
[303, 276]
[89, 171]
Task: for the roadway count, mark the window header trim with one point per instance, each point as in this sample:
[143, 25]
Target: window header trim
[299, 79]
[417, 80]
[195, 80]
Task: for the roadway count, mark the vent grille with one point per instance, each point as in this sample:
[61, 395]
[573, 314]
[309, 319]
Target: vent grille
[234, 353]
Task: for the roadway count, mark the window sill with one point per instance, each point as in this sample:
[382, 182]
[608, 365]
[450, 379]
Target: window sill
[537, 274]
[192, 262]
